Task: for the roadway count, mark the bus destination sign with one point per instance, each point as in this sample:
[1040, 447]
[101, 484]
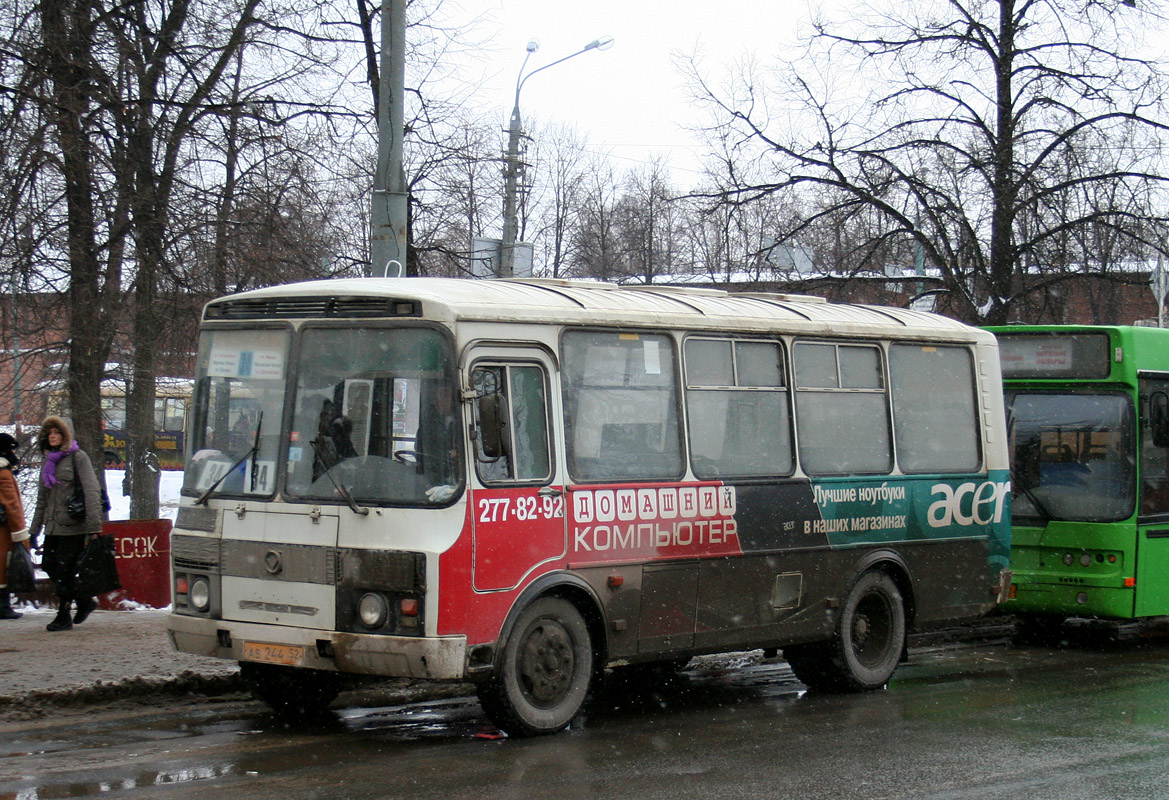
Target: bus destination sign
[1073, 355]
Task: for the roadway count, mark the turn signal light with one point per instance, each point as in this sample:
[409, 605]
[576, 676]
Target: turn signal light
[408, 606]
[1130, 582]
[182, 586]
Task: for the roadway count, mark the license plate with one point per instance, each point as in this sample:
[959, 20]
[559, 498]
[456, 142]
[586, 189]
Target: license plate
[288, 655]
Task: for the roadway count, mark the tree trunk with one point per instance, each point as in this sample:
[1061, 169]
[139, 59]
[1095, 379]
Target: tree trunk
[66, 30]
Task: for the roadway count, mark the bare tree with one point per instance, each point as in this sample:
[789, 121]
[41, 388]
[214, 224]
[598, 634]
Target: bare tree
[648, 223]
[597, 246]
[967, 135]
[560, 164]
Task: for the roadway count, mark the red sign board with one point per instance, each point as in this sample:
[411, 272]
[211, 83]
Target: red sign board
[142, 550]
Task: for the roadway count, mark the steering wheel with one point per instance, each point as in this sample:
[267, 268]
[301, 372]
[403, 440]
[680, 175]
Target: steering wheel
[406, 456]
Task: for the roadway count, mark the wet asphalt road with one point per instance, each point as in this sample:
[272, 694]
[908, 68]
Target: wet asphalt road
[981, 721]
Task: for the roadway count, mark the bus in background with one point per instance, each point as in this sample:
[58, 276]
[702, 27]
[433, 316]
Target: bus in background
[1088, 421]
[523, 482]
[170, 418]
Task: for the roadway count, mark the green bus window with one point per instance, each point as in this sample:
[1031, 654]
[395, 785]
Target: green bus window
[1071, 455]
[1154, 451]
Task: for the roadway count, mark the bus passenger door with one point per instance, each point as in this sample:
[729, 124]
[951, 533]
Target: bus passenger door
[1152, 548]
[517, 490]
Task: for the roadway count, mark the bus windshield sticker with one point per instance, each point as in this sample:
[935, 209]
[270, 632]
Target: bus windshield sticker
[212, 471]
[235, 362]
[265, 477]
[653, 359]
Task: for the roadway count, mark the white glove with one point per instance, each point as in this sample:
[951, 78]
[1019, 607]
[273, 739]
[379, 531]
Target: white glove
[440, 494]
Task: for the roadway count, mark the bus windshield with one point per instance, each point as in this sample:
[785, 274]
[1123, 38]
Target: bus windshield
[239, 397]
[376, 417]
[1072, 456]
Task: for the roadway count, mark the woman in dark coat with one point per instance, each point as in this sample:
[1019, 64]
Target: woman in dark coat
[65, 467]
[13, 531]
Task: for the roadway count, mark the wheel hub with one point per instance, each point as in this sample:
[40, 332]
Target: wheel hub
[546, 664]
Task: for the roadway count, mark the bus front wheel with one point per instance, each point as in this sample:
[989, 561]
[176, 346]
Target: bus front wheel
[544, 671]
[291, 691]
[867, 645]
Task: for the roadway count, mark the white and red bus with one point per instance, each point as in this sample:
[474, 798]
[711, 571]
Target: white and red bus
[521, 483]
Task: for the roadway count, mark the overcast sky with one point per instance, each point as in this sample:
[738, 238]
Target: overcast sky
[631, 99]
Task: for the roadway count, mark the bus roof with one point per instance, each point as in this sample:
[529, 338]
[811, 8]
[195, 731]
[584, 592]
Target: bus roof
[536, 300]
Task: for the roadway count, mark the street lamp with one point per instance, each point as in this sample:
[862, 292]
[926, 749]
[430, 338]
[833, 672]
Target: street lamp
[512, 167]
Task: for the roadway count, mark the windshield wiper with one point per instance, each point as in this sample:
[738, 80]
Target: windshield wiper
[1044, 514]
[255, 452]
[341, 488]
[255, 449]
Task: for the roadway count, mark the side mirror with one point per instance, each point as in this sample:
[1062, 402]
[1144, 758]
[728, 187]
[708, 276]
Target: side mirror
[1159, 418]
[493, 422]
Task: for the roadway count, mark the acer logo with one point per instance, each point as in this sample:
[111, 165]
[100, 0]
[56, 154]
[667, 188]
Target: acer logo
[968, 504]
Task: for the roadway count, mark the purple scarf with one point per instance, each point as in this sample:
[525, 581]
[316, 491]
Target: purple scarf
[49, 470]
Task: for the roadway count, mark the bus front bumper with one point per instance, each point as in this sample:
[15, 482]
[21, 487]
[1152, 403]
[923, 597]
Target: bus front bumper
[436, 658]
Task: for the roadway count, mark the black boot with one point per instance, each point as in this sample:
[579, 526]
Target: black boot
[6, 611]
[61, 622]
[85, 607]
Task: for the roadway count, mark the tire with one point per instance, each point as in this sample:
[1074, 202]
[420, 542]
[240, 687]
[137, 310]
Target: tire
[544, 672]
[867, 645]
[291, 692]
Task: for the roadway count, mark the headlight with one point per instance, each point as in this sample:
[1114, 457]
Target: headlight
[200, 594]
[372, 610]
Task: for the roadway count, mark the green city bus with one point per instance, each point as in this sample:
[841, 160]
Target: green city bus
[1088, 433]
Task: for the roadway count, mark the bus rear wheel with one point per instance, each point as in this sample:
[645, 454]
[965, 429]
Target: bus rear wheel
[544, 671]
[291, 691]
[867, 645]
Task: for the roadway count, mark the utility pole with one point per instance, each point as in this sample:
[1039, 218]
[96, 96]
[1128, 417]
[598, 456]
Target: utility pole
[515, 132]
[388, 208]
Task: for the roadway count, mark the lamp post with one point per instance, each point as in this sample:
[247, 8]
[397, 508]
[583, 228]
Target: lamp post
[512, 167]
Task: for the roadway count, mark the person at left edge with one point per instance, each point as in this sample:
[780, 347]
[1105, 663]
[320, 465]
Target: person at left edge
[65, 466]
[13, 531]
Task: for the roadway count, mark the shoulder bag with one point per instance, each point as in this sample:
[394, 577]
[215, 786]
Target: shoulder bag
[76, 505]
[97, 571]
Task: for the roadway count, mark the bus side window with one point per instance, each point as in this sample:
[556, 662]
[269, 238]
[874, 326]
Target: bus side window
[737, 408]
[511, 423]
[621, 406]
[1159, 418]
[1154, 467]
[935, 408]
[842, 409]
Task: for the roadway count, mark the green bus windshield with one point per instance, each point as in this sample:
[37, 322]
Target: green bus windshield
[1072, 455]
